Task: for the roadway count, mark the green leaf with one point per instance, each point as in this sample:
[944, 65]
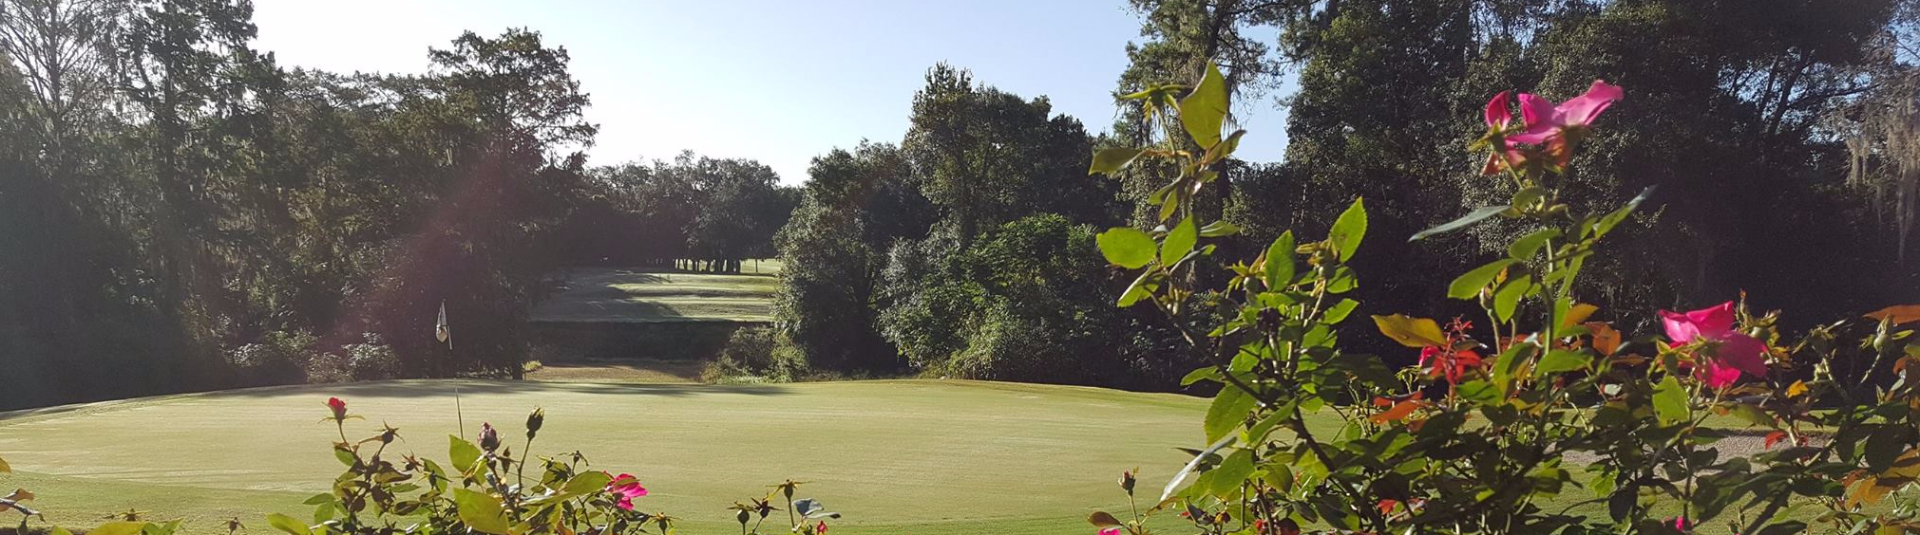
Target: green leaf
[1670, 401]
[1231, 473]
[1280, 261]
[1349, 229]
[1526, 246]
[587, 482]
[1606, 224]
[318, 499]
[1202, 374]
[480, 511]
[1224, 149]
[57, 530]
[1507, 298]
[1468, 286]
[345, 456]
[1471, 218]
[1219, 228]
[1126, 247]
[1228, 412]
[1509, 361]
[1141, 288]
[1528, 197]
[1110, 161]
[131, 528]
[1412, 332]
[1340, 310]
[1883, 447]
[1562, 360]
[1180, 241]
[288, 524]
[463, 454]
[1205, 109]
[1479, 391]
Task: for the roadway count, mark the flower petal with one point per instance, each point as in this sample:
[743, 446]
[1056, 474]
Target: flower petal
[1717, 375]
[1583, 109]
[1713, 322]
[1498, 114]
[1536, 111]
[1680, 329]
[1743, 352]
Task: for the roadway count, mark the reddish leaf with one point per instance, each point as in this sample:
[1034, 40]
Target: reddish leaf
[1900, 314]
[1400, 411]
[1605, 339]
[1775, 438]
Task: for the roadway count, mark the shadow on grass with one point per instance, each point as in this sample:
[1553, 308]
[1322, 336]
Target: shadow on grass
[418, 388]
[444, 387]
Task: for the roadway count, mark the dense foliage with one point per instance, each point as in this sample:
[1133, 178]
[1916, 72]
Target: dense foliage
[180, 213]
[1540, 420]
[1764, 125]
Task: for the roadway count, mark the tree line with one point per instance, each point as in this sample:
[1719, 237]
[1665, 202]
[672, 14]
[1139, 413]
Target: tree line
[1778, 134]
[180, 212]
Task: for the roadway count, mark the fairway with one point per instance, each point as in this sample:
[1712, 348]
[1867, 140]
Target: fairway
[620, 295]
[896, 457]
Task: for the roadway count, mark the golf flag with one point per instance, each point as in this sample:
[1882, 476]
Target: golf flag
[440, 330]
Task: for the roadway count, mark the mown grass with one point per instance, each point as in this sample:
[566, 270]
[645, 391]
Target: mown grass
[907, 456]
[914, 456]
[618, 295]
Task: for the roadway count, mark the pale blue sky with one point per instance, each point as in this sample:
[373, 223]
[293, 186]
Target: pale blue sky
[776, 81]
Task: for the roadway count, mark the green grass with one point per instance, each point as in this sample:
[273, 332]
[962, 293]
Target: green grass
[615, 295]
[897, 457]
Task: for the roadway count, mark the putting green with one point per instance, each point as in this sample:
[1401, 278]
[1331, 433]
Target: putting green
[896, 457]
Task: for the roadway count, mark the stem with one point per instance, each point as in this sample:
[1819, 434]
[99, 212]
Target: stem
[526, 453]
[1359, 502]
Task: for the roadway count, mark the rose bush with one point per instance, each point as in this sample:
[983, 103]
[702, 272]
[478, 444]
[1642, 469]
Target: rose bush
[1542, 419]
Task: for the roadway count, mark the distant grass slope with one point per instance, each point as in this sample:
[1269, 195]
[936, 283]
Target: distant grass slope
[619, 295]
[897, 457]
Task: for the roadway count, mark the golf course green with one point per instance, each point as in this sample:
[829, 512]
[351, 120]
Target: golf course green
[895, 457]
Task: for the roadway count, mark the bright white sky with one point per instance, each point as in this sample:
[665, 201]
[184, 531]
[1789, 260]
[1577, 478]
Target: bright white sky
[779, 81]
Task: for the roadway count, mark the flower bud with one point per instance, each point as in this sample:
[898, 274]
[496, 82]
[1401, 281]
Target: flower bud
[742, 517]
[489, 439]
[339, 408]
[534, 421]
[1127, 481]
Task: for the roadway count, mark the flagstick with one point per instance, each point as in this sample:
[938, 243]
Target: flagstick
[456, 411]
[458, 415]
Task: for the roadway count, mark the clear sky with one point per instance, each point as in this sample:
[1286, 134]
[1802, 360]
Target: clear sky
[779, 81]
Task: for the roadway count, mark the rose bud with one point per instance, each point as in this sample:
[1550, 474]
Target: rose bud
[339, 408]
[534, 421]
[489, 439]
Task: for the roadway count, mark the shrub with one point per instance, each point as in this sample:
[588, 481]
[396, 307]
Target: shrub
[1025, 301]
[1540, 402]
[756, 355]
[372, 360]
